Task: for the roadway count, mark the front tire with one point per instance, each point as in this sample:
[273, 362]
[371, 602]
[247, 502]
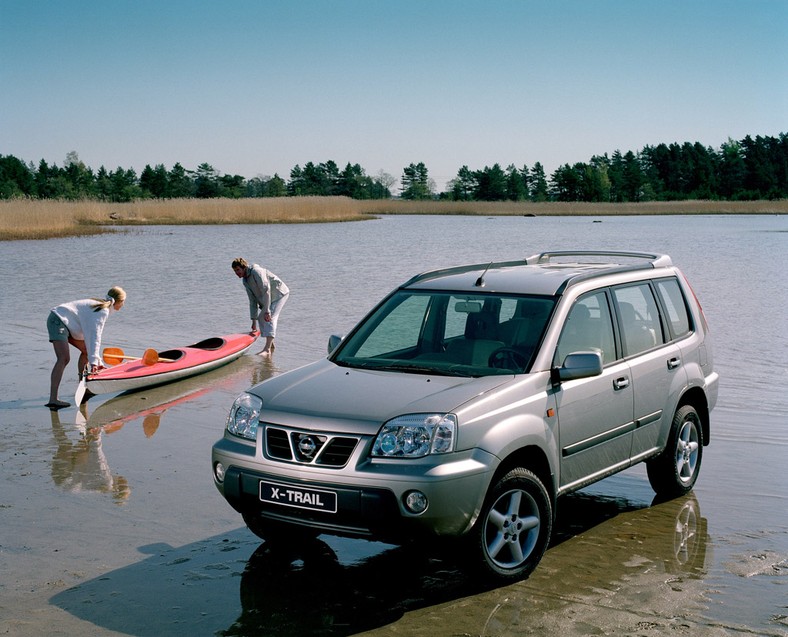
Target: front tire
[675, 470]
[514, 528]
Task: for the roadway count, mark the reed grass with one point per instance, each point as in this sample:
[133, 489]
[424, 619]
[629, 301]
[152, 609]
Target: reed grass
[555, 208]
[45, 219]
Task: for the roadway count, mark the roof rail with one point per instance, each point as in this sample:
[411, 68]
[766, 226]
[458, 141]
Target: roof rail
[459, 269]
[655, 260]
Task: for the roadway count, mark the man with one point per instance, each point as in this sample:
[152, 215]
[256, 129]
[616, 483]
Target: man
[267, 296]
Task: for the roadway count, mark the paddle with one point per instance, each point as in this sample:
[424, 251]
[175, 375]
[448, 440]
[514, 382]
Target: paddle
[115, 356]
[81, 388]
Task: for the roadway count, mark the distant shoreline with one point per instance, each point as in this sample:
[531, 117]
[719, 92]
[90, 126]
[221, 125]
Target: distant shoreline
[46, 219]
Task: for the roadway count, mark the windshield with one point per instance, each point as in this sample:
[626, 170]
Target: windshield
[449, 334]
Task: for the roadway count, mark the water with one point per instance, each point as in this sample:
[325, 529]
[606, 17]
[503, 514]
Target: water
[79, 509]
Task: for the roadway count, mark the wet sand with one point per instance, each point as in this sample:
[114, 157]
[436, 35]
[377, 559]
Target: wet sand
[112, 526]
[110, 523]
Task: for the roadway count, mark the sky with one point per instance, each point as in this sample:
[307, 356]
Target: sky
[256, 87]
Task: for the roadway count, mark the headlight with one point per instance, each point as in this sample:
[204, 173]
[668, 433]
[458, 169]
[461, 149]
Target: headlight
[244, 414]
[415, 436]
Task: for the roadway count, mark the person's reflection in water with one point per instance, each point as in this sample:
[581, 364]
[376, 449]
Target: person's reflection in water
[263, 372]
[80, 465]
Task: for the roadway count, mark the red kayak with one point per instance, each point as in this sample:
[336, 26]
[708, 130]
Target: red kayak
[173, 364]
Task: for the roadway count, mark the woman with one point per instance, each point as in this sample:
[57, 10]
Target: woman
[267, 296]
[79, 323]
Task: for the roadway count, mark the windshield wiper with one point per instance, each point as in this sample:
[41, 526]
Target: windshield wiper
[423, 369]
[414, 368]
[405, 367]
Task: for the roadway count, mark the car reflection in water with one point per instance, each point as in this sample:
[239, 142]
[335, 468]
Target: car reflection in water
[609, 556]
[630, 555]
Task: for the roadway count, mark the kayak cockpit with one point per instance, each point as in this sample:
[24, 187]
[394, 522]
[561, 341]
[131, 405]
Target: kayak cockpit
[171, 355]
[210, 343]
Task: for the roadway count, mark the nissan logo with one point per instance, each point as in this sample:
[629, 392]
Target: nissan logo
[307, 446]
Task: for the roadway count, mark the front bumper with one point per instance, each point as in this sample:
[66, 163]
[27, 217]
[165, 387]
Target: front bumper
[369, 495]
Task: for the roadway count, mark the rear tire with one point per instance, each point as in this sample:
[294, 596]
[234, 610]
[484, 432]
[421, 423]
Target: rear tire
[514, 528]
[674, 472]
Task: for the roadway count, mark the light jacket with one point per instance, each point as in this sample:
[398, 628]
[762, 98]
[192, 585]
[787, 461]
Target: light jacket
[262, 287]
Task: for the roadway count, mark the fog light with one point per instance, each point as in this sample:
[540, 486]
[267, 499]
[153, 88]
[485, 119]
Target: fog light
[218, 471]
[415, 502]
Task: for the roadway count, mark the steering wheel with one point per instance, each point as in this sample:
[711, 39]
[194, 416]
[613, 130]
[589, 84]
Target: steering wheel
[507, 358]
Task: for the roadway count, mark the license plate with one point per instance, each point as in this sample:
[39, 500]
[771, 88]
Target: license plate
[298, 497]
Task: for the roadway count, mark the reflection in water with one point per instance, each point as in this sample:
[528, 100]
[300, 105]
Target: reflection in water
[625, 571]
[80, 465]
[123, 409]
[151, 404]
[305, 589]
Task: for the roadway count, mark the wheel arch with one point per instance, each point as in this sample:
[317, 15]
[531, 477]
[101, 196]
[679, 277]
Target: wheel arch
[535, 460]
[696, 398]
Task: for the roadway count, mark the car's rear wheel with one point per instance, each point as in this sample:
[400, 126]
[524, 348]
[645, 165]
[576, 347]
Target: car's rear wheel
[514, 528]
[675, 470]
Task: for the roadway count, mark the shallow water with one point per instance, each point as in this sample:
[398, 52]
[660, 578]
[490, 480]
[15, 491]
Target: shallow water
[113, 526]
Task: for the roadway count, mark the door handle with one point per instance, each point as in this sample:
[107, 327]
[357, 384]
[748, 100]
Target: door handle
[674, 362]
[621, 383]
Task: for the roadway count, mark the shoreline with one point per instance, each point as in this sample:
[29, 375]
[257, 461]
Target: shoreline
[47, 219]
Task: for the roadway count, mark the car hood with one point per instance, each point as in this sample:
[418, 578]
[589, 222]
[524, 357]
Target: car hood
[322, 394]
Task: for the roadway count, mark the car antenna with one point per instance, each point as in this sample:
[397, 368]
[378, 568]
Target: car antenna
[480, 281]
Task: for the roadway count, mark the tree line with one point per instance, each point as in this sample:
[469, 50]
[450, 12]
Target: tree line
[749, 169]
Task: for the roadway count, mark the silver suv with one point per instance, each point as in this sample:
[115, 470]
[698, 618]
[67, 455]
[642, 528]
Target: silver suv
[470, 399]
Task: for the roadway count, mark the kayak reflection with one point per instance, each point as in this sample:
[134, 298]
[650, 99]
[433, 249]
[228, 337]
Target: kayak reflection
[79, 463]
[149, 405]
[304, 588]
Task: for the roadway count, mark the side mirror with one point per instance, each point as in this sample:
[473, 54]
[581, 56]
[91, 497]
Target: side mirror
[333, 341]
[580, 365]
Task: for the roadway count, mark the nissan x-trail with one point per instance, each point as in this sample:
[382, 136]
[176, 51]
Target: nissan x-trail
[471, 398]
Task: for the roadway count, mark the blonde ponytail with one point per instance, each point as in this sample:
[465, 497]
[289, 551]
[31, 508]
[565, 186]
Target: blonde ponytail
[114, 295]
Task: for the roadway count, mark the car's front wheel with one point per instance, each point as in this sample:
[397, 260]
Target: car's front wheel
[514, 528]
[675, 470]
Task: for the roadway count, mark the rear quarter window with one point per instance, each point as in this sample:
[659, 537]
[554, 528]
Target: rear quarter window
[639, 318]
[676, 307]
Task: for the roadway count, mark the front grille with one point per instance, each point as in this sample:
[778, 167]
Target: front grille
[337, 452]
[276, 444]
[305, 447]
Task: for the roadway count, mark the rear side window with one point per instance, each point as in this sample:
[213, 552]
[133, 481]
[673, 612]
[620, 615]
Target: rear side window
[675, 305]
[639, 318]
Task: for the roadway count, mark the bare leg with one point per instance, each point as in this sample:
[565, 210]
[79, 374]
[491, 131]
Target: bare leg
[83, 355]
[82, 363]
[276, 308]
[63, 357]
[269, 346]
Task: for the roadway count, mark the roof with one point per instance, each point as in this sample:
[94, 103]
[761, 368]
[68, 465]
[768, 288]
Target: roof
[548, 273]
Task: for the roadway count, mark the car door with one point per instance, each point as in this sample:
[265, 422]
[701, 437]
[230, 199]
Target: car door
[595, 414]
[654, 363]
